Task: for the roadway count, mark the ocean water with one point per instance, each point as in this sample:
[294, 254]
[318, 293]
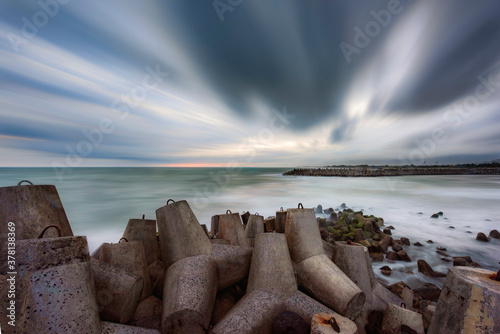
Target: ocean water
[100, 201]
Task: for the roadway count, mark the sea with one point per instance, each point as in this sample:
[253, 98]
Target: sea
[100, 201]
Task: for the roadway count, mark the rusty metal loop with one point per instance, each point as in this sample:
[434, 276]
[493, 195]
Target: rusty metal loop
[59, 232]
[403, 305]
[122, 238]
[256, 213]
[300, 206]
[170, 200]
[143, 216]
[228, 211]
[281, 209]
[20, 182]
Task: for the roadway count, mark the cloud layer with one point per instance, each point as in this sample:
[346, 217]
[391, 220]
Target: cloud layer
[280, 83]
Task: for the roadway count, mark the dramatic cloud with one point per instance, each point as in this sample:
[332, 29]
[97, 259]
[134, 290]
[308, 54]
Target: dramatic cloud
[155, 83]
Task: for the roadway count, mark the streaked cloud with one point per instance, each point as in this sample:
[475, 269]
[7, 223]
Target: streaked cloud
[225, 78]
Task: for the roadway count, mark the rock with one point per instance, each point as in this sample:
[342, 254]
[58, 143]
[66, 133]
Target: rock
[290, 322]
[369, 227]
[328, 211]
[405, 241]
[469, 232]
[428, 292]
[397, 247]
[397, 241]
[435, 215]
[390, 227]
[359, 235]
[376, 237]
[318, 209]
[447, 259]
[386, 270]
[387, 231]
[465, 261]
[376, 248]
[403, 256]
[441, 248]
[333, 217]
[426, 269]
[451, 226]
[324, 234]
[417, 244]
[495, 234]
[430, 241]
[482, 237]
[392, 256]
[377, 257]
[475, 265]
[386, 242]
[443, 253]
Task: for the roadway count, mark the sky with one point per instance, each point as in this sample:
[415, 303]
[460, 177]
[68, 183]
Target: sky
[248, 83]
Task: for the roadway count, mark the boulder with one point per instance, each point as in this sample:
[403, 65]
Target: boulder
[482, 237]
[403, 256]
[495, 234]
[405, 241]
[426, 269]
[391, 256]
[386, 270]
[428, 292]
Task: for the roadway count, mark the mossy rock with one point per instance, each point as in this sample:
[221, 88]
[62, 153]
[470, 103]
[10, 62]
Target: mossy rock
[349, 210]
[344, 229]
[345, 216]
[380, 220]
[348, 236]
[330, 229]
[352, 229]
[360, 224]
[322, 223]
[337, 235]
[376, 237]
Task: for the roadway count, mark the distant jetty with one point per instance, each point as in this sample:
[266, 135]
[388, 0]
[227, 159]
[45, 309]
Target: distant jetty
[373, 171]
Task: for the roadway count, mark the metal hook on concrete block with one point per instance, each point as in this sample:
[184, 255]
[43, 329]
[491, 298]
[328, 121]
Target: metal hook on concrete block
[59, 232]
[170, 200]
[20, 182]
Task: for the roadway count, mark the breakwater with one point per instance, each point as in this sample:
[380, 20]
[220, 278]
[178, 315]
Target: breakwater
[390, 171]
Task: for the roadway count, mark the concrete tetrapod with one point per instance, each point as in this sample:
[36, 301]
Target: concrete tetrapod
[130, 257]
[144, 230]
[26, 210]
[118, 292]
[255, 225]
[189, 295]
[114, 328]
[354, 261]
[231, 229]
[61, 299]
[280, 221]
[322, 324]
[271, 290]
[233, 263]
[317, 274]
[395, 317]
[181, 235]
[468, 303]
[148, 314]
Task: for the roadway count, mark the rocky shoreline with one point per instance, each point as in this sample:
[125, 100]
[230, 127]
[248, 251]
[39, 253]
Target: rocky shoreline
[292, 272]
[389, 171]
